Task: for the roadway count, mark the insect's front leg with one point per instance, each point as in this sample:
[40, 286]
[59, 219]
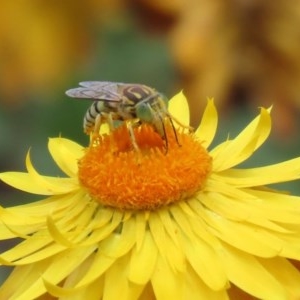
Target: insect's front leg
[172, 118]
[132, 136]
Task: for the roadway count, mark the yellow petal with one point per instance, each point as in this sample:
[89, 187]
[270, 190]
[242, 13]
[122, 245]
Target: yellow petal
[179, 108]
[66, 154]
[118, 244]
[18, 225]
[166, 283]
[58, 291]
[159, 234]
[76, 225]
[140, 228]
[93, 291]
[24, 254]
[291, 247]
[65, 262]
[55, 186]
[275, 206]
[247, 237]
[181, 220]
[77, 274]
[143, 261]
[248, 274]
[175, 258]
[243, 146]
[257, 211]
[38, 184]
[168, 223]
[27, 247]
[102, 217]
[198, 225]
[40, 209]
[206, 263]
[208, 125]
[103, 232]
[21, 220]
[68, 289]
[281, 172]
[57, 235]
[21, 278]
[196, 289]
[285, 273]
[97, 268]
[116, 284]
[8, 232]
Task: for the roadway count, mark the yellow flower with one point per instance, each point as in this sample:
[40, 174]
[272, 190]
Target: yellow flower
[165, 222]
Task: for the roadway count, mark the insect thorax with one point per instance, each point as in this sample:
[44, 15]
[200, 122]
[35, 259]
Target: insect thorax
[134, 93]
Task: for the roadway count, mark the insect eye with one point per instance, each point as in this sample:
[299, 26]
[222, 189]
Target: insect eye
[143, 112]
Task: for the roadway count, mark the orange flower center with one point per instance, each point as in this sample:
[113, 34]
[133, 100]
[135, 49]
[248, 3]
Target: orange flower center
[161, 172]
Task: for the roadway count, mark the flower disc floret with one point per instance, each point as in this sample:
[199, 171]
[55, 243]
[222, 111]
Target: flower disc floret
[158, 174]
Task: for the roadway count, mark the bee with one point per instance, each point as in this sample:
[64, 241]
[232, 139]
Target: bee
[128, 102]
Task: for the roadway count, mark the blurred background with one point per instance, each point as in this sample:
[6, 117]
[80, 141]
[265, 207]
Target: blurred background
[244, 53]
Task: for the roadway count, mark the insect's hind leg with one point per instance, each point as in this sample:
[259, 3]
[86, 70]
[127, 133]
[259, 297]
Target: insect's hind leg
[110, 121]
[94, 133]
[98, 122]
[101, 119]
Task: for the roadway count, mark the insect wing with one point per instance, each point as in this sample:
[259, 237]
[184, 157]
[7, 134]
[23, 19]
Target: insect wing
[99, 85]
[97, 90]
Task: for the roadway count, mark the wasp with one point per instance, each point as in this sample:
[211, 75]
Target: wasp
[129, 102]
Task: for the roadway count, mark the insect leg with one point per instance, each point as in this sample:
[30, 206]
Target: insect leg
[174, 130]
[110, 121]
[162, 106]
[132, 137]
[157, 115]
[95, 133]
[171, 117]
[164, 132]
[98, 121]
[190, 128]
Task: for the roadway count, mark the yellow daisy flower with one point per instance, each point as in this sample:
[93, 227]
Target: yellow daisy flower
[180, 222]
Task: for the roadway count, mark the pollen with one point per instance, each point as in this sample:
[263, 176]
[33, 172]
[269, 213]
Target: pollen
[160, 172]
